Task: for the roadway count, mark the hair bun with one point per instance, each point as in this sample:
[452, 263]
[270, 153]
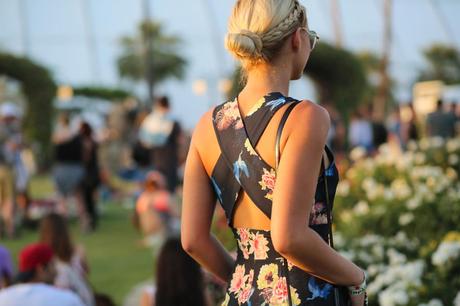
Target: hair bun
[245, 44]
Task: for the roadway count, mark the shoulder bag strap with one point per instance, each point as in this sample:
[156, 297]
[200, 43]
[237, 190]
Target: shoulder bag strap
[277, 157]
[328, 206]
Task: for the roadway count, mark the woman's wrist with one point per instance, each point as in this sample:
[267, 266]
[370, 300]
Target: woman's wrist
[360, 288]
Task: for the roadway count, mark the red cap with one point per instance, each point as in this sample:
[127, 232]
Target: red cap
[33, 256]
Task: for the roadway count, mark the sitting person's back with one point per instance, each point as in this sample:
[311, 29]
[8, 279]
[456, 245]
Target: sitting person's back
[36, 272]
[70, 263]
[155, 211]
[37, 294]
[179, 279]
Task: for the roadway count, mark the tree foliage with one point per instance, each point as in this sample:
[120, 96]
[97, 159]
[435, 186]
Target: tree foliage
[443, 64]
[40, 89]
[111, 94]
[338, 75]
[166, 61]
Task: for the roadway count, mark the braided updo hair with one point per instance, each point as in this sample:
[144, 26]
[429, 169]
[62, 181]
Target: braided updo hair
[257, 29]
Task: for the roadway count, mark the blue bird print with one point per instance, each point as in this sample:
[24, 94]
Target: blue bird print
[217, 190]
[275, 103]
[240, 167]
[317, 291]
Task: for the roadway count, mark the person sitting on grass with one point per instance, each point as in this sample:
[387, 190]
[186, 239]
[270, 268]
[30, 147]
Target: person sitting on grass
[156, 214]
[179, 279]
[36, 274]
[6, 268]
[70, 262]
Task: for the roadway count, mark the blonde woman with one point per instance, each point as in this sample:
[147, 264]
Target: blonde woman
[280, 260]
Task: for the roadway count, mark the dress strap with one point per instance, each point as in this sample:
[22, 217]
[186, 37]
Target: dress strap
[240, 165]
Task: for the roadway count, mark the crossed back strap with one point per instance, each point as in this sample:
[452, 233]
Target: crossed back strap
[240, 166]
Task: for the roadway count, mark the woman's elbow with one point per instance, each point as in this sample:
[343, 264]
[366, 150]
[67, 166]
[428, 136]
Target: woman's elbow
[193, 243]
[188, 244]
[284, 242]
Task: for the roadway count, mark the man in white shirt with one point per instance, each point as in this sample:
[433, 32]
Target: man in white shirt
[36, 272]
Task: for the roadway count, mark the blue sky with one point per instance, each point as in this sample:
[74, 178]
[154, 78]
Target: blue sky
[55, 33]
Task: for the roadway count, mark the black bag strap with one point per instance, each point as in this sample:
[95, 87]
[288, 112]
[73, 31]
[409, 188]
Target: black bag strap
[280, 131]
[328, 208]
[277, 160]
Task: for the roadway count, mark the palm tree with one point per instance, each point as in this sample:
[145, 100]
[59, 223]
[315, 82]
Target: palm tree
[164, 60]
[443, 64]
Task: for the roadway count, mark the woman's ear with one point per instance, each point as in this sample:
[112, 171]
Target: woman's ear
[296, 39]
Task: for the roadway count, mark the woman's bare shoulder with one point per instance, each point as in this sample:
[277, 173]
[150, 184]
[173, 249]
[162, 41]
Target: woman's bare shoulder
[203, 128]
[310, 115]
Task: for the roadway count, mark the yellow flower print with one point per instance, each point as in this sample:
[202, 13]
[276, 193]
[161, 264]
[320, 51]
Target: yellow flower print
[249, 148]
[294, 296]
[268, 276]
[256, 107]
[227, 299]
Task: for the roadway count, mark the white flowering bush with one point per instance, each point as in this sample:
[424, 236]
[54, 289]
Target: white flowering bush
[397, 215]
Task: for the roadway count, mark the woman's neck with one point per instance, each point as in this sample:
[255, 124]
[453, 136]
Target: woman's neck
[263, 80]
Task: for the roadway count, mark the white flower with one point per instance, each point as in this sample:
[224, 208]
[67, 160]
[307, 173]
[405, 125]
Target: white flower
[401, 189]
[419, 158]
[433, 302]
[393, 296]
[446, 251]
[413, 203]
[395, 257]
[412, 145]
[406, 218]
[453, 144]
[388, 194]
[371, 239]
[437, 141]
[362, 208]
[357, 153]
[451, 174]
[343, 189]
[453, 159]
[457, 299]
[424, 144]
[378, 251]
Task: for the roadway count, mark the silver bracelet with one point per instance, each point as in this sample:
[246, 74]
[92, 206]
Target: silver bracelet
[357, 290]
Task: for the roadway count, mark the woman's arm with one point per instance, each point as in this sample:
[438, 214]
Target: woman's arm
[293, 197]
[197, 212]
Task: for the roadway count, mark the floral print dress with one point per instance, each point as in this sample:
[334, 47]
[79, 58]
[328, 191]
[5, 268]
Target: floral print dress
[262, 276]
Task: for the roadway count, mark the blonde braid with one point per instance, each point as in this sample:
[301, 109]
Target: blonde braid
[275, 35]
[252, 44]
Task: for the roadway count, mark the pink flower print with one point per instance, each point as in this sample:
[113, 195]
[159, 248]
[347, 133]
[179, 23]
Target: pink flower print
[318, 219]
[244, 250]
[243, 233]
[280, 292]
[317, 208]
[245, 294]
[267, 294]
[317, 214]
[237, 279]
[229, 115]
[258, 246]
[267, 182]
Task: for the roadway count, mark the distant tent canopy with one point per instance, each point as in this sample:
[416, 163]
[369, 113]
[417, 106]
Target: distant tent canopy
[39, 89]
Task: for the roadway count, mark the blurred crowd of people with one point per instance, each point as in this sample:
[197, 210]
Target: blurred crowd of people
[400, 127]
[55, 269]
[17, 165]
[51, 271]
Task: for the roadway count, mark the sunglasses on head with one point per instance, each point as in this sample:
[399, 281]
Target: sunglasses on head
[312, 36]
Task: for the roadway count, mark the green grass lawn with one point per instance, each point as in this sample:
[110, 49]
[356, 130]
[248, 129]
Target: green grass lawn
[116, 260]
